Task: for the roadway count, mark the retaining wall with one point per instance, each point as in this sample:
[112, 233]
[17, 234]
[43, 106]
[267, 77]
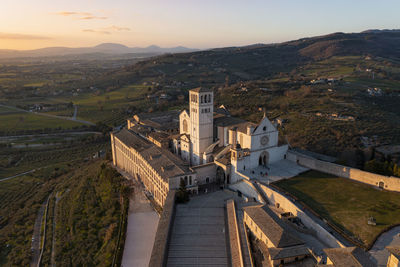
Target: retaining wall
[275, 197]
[234, 240]
[389, 183]
[159, 254]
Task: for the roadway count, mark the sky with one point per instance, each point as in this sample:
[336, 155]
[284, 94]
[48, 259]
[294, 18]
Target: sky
[28, 24]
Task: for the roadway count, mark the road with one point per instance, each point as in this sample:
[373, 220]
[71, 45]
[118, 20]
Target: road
[75, 112]
[389, 238]
[15, 176]
[50, 134]
[50, 115]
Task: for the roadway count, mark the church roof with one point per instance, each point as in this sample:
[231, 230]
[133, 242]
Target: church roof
[165, 163]
[225, 121]
[276, 231]
[201, 90]
[350, 256]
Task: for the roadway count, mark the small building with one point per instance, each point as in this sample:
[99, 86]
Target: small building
[394, 257]
[280, 244]
[350, 256]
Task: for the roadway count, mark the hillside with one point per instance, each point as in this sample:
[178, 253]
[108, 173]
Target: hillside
[105, 48]
[257, 61]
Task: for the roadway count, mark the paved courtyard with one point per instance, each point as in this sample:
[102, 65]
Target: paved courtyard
[199, 235]
[274, 172]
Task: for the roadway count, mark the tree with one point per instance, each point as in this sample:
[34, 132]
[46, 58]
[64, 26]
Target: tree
[182, 196]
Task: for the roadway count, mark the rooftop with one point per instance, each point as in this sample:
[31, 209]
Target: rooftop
[276, 230]
[282, 253]
[350, 256]
[165, 163]
[201, 90]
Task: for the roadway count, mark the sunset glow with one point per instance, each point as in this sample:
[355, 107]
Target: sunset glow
[28, 24]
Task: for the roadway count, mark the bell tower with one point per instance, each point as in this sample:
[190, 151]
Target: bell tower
[201, 118]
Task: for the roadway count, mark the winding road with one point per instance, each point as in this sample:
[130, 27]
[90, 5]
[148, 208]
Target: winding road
[389, 238]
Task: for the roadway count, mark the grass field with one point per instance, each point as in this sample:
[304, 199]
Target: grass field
[346, 203]
[19, 121]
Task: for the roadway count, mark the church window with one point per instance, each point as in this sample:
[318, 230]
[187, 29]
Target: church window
[190, 180]
[244, 167]
[264, 128]
[186, 180]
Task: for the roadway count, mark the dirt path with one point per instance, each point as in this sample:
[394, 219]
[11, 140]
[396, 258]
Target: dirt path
[36, 238]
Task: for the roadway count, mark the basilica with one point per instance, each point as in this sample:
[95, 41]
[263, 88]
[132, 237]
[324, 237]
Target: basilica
[201, 145]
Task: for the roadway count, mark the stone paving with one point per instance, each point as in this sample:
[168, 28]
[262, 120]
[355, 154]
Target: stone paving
[279, 170]
[390, 238]
[199, 234]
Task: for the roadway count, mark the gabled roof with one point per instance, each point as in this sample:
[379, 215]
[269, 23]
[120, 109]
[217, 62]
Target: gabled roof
[201, 90]
[277, 232]
[350, 256]
[395, 251]
[282, 253]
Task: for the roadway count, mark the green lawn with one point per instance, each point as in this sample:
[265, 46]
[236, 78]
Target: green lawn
[346, 203]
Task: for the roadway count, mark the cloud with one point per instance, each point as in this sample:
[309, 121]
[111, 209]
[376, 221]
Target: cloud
[79, 15]
[92, 17]
[96, 31]
[107, 30]
[117, 28]
[18, 36]
[69, 13]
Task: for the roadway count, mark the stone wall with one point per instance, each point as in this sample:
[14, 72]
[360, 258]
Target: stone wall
[234, 240]
[159, 254]
[277, 198]
[386, 182]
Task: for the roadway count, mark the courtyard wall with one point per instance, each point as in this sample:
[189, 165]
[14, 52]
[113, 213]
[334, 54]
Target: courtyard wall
[387, 182]
[283, 202]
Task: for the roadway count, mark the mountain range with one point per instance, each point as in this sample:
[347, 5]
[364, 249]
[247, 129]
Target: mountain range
[105, 48]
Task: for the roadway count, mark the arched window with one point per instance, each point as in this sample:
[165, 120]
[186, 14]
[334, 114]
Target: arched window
[185, 126]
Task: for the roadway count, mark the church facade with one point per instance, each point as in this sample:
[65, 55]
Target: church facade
[208, 136]
[201, 145]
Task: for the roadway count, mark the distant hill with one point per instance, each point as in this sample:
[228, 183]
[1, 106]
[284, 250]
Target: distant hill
[105, 48]
[261, 60]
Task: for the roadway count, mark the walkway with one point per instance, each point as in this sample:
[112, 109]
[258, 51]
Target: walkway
[378, 251]
[141, 231]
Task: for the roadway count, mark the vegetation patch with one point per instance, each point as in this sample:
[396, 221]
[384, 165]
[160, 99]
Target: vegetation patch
[345, 203]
